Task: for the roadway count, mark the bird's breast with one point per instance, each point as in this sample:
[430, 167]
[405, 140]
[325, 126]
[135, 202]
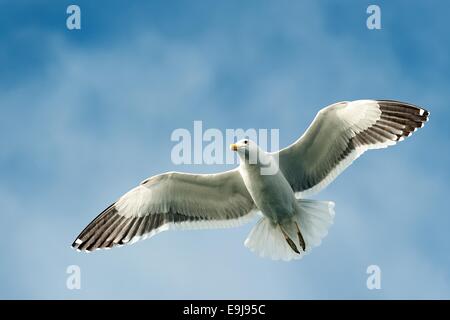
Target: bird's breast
[272, 194]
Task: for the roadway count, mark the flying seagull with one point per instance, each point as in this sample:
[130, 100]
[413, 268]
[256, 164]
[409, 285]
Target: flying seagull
[290, 225]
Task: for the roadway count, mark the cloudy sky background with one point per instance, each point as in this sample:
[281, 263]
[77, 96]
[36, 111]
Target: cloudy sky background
[86, 115]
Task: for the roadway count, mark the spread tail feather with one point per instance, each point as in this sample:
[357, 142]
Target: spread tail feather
[314, 219]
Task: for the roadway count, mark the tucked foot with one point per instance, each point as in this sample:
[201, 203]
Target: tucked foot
[300, 237]
[289, 241]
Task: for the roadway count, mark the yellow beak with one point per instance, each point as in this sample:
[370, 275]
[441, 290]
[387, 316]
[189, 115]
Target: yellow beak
[233, 146]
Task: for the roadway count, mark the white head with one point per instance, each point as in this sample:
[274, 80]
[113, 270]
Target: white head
[248, 151]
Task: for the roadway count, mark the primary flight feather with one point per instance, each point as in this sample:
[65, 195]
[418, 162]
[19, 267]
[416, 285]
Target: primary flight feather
[290, 225]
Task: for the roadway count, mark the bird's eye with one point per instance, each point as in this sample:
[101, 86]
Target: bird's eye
[245, 141]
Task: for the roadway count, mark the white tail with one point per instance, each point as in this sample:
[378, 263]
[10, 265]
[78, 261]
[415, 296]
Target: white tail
[314, 219]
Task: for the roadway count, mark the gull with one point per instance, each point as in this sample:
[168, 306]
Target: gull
[290, 225]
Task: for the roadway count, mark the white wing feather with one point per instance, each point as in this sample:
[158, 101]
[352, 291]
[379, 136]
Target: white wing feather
[339, 134]
[170, 201]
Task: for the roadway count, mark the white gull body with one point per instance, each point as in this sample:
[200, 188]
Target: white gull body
[290, 225]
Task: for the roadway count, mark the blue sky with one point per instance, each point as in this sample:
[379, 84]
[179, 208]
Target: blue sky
[85, 115]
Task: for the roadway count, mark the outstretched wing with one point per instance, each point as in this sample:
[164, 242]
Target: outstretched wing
[340, 133]
[170, 200]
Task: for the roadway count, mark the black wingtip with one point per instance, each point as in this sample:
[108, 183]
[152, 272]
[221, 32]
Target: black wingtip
[420, 110]
[76, 244]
